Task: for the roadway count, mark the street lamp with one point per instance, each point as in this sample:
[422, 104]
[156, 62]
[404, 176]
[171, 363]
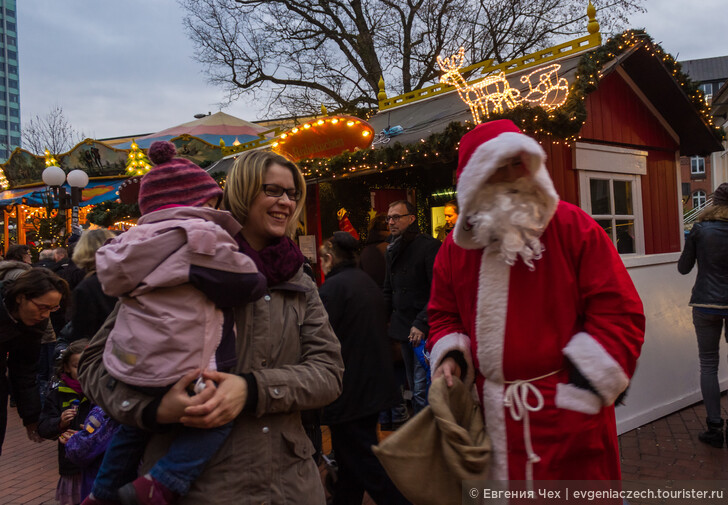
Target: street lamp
[54, 177]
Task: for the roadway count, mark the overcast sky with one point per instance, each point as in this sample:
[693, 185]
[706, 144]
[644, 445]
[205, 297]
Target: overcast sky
[125, 67]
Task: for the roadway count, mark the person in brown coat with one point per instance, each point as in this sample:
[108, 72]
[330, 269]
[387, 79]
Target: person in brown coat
[287, 359]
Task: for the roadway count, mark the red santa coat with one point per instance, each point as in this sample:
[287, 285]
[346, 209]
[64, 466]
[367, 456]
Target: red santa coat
[522, 331]
[513, 324]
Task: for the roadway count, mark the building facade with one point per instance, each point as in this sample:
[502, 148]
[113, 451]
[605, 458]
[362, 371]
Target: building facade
[697, 181]
[702, 174]
[9, 80]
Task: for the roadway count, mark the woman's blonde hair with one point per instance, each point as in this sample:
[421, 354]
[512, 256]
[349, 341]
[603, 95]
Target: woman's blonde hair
[84, 255]
[245, 182]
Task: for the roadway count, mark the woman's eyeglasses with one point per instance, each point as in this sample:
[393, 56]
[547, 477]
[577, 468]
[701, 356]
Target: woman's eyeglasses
[44, 308]
[277, 191]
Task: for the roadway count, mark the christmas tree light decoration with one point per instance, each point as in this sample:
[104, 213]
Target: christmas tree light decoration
[50, 160]
[4, 184]
[137, 163]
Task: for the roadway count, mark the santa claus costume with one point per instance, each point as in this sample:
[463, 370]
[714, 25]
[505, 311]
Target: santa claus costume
[523, 331]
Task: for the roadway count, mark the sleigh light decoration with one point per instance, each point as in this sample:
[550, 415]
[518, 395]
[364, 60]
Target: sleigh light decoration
[324, 138]
[493, 94]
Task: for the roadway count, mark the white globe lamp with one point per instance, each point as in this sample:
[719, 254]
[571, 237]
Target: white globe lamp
[77, 178]
[54, 176]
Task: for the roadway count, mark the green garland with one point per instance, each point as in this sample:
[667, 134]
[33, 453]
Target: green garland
[563, 123]
[107, 213]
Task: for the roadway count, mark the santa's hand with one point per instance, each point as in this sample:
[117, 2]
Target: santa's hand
[415, 336]
[448, 368]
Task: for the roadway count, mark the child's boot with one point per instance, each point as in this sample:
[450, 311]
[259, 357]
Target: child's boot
[714, 435]
[146, 490]
[92, 500]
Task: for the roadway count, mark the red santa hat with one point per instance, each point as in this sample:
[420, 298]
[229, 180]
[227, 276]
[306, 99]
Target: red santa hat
[482, 151]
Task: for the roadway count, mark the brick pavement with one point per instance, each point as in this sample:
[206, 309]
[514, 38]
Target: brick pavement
[664, 449]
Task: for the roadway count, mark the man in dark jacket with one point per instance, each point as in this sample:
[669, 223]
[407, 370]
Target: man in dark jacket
[410, 258]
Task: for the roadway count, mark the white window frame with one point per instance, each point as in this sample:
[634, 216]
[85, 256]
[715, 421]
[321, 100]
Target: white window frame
[593, 161]
[697, 165]
[707, 89]
[697, 194]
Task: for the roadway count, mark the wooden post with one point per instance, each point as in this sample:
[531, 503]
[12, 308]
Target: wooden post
[69, 222]
[20, 213]
[6, 229]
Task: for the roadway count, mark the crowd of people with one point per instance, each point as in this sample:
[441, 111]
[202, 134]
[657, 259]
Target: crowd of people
[184, 360]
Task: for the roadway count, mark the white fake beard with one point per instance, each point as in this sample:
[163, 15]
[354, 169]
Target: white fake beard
[512, 217]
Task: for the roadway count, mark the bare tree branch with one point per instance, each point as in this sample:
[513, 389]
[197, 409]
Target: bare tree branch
[300, 54]
[52, 132]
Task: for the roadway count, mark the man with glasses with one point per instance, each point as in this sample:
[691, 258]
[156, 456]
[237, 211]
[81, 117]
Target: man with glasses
[410, 257]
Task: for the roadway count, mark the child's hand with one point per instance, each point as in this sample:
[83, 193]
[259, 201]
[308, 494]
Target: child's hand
[66, 417]
[65, 436]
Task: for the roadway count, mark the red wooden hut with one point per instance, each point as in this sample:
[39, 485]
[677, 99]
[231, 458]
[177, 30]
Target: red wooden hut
[614, 119]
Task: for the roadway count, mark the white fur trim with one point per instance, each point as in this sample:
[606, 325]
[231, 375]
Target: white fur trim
[483, 163]
[454, 342]
[571, 397]
[495, 422]
[597, 365]
[490, 318]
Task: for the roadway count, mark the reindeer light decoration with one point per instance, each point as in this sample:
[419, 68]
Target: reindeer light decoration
[471, 95]
[493, 94]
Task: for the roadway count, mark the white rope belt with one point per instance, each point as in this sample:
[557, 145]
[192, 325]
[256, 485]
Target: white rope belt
[516, 399]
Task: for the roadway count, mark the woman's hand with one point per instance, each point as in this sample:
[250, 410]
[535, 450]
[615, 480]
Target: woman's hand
[448, 368]
[225, 404]
[176, 400]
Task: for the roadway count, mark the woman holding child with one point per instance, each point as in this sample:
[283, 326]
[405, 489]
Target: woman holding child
[287, 360]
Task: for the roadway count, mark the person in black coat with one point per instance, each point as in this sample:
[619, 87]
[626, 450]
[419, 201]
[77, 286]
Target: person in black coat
[357, 314]
[410, 259]
[91, 305]
[26, 304]
[707, 245]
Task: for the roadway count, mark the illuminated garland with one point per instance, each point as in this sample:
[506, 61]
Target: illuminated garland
[561, 124]
[107, 213]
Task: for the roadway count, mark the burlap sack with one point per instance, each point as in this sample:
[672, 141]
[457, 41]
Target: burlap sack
[446, 443]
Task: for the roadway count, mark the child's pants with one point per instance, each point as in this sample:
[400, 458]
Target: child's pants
[177, 470]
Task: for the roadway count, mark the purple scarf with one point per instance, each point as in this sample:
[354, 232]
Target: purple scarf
[72, 383]
[278, 262]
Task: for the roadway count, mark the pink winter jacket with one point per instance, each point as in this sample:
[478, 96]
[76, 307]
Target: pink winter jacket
[173, 273]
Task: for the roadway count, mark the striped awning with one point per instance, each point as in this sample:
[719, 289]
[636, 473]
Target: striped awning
[37, 196]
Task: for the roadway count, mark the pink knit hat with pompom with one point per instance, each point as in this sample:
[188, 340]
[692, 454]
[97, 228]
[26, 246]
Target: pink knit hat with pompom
[174, 181]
